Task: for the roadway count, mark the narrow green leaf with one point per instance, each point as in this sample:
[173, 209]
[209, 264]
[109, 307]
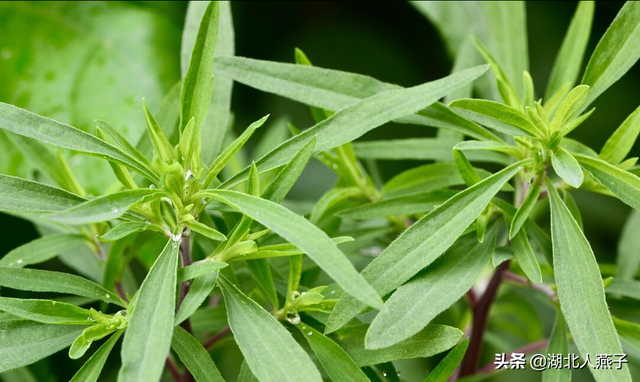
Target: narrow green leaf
[194, 356]
[286, 178]
[624, 185]
[91, 369]
[510, 96]
[21, 195]
[495, 115]
[299, 231]
[206, 231]
[498, 147]
[148, 337]
[570, 105]
[198, 269]
[332, 200]
[415, 304]
[47, 130]
[36, 280]
[567, 167]
[122, 230]
[424, 178]
[626, 288]
[46, 311]
[558, 344]
[423, 242]
[629, 332]
[432, 340]
[25, 342]
[335, 361]
[191, 146]
[449, 364]
[398, 206]
[197, 86]
[122, 142]
[261, 272]
[580, 290]
[523, 253]
[354, 121]
[245, 374]
[523, 212]
[41, 249]
[466, 170]
[161, 144]
[104, 208]
[284, 250]
[628, 260]
[269, 350]
[621, 141]
[569, 59]
[200, 289]
[334, 90]
[217, 121]
[616, 52]
[228, 153]
[40, 157]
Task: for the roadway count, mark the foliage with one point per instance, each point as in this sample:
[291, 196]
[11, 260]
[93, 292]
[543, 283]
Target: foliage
[187, 247]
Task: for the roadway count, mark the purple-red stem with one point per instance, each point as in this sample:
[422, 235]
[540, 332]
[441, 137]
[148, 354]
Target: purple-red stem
[208, 344]
[480, 317]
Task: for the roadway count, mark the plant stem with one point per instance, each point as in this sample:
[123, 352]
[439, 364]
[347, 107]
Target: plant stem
[173, 369]
[208, 344]
[480, 316]
[545, 289]
[185, 256]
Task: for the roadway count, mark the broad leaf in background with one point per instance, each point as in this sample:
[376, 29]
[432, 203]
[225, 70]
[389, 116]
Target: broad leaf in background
[148, 336]
[21, 195]
[41, 249]
[580, 290]
[115, 63]
[558, 344]
[194, 356]
[628, 259]
[269, 350]
[449, 364]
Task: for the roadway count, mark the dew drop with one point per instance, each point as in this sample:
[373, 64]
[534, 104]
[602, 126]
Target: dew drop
[309, 333]
[114, 210]
[294, 295]
[203, 201]
[176, 237]
[333, 292]
[147, 222]
[19, 261]
[335, 166]
[188, 175]
[303, 293]
[398, 373]
[107, 296]
[293, 317]
[384, 373]
[152, 186]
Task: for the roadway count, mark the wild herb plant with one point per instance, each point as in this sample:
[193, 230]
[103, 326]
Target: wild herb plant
[434, 229]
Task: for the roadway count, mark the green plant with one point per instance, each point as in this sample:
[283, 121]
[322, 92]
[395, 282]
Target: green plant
[434, 228]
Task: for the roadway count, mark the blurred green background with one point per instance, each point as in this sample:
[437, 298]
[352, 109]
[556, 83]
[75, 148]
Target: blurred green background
[81, 61]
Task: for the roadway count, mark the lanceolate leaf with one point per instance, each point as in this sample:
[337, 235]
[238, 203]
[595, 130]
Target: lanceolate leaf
[567, 167]
[47, 130]
[569, 60]
[335, 361]
[90, 371]
[103, 208]
[269, 350]
[200, 289]
[198, 269]
[148, 337]
[580, 290]
[423, 242]
[334, 90]
[25, 342]
[416, 303]
[21, 195]
[299, 231]
[558, 344]
[122, 230]
[621, 141]
[401, 205]
[617, 51]
[45, 311]
[286, 178]
[355, 120]
[448, 365]
[41, 249]
[523, 212]
[495, 115]
[432, 340]
[624, 185]
[628, 260]
[195, 357]
[197, 86]
[526, 258]
[36, 280]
